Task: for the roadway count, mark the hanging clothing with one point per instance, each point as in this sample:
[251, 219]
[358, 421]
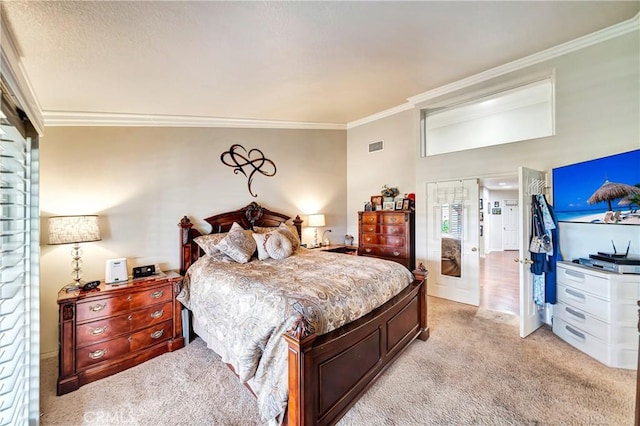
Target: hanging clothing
[544, 264]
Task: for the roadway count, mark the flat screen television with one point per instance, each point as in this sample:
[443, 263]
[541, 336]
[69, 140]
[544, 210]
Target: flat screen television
[605, 190]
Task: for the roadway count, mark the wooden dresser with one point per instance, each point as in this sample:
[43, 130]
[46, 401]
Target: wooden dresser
[388, 235]
[112, 328]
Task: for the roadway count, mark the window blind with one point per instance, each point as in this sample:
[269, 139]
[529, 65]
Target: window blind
[19, 248]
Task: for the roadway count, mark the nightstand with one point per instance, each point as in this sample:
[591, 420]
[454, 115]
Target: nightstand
[115, 327]
[340, 248]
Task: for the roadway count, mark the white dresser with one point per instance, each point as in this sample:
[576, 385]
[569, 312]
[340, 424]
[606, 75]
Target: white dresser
[597, 313]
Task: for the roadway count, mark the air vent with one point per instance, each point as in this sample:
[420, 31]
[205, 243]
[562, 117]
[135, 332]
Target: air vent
[376, 146]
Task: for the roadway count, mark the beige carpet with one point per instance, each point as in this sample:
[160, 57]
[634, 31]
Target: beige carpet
[474, 369]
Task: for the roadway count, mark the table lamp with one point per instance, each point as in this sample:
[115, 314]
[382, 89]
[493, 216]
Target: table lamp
[316, 221]
[74, 230]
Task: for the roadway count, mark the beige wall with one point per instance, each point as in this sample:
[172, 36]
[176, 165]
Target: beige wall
[597, 110]
[142, 180]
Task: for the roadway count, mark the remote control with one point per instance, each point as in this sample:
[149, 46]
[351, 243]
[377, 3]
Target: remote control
[90, 285]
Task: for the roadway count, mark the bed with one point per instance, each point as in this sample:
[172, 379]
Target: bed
[326, 353]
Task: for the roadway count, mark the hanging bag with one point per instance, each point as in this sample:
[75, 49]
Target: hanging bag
[540, 242]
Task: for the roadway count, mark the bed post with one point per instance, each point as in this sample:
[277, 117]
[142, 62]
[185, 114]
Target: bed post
[300, 340]
[297, 222]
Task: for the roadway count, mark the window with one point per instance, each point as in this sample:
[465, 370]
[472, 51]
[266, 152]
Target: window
[517, 114]
[19, 245]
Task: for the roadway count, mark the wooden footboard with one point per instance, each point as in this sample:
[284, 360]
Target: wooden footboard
[329, 373]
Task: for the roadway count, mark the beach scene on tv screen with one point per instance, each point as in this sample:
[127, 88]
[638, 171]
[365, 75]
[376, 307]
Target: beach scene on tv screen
[605, 190]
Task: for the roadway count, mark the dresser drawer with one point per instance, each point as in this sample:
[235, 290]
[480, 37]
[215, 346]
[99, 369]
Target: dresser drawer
[110, 349]
[392, 241]
[371, 229]
[392, 230]
[619, 334]
[613, 355]
[370, 239]
[584, 301]
[96, 331]
[150, 336]
[602, 284]
[369, 218]
[101, 352]
[611, 313]
[393, 252]
[393, 219]
[104, 307]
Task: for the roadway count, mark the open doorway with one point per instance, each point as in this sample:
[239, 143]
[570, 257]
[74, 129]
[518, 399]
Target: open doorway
[499, 243]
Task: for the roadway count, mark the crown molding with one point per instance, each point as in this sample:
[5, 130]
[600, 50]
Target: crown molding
[68, 119]
[16, 77]
[600, 36]
[381, 114]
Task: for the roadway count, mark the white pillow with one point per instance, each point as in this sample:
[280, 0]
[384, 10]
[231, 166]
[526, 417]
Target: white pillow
[209, 242]
[273, 245]
[239, 244]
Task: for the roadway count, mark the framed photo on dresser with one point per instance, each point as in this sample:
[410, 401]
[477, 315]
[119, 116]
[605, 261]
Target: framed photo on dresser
[399, 204]
[388, 205]
[376, 202]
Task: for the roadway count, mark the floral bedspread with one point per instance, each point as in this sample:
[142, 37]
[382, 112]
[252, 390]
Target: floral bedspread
[247, 307]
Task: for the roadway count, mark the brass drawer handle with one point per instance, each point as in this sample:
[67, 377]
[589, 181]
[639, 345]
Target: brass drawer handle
[368, 250]
[157, 334]
[129, 298]
[130, 339]
[157, 294]
[97, 308]
[157, 314]
[98, 330]
[396, 253]
[393, 219]
[97, 354]
[130, 317]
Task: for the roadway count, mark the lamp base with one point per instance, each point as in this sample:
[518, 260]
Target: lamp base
[74, 286]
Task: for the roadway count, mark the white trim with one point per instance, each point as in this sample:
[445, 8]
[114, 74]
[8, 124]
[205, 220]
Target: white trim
[17, 78]
[605, 34]
[65, 118]
[379, 115]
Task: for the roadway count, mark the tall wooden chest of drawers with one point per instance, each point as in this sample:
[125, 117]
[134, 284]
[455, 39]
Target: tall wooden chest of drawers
[388, 235]
[112, 328]
[597, 313]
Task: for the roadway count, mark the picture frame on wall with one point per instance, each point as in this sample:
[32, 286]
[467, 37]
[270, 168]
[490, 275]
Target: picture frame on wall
[388, 205]
[399, 204]
[481, 203]
[496, 204]
[496, 211]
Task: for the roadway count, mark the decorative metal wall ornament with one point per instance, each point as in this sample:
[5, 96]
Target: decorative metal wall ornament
[254, 161]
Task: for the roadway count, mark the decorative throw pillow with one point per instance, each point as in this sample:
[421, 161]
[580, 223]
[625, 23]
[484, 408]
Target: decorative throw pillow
[291, 233]
[209, 242]
[261, 239]
[239, 245]
[278, 245]
[273, 245]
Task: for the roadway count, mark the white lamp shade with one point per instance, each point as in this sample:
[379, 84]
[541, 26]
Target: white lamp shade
[73, 229]
[316, 220]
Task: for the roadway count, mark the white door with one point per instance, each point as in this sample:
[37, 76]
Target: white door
[530, 181]
[510, 223]
[453, 258]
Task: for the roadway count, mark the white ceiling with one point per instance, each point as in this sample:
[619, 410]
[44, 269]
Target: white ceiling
[316, 62]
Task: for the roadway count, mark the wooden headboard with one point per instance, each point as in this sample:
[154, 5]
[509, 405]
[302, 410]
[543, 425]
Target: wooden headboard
[247, 217]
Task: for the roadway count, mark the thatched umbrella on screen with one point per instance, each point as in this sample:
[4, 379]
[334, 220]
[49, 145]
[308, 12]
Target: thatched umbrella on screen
[612, 190]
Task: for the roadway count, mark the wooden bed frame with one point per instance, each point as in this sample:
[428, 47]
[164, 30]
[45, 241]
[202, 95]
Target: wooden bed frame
[328, 373]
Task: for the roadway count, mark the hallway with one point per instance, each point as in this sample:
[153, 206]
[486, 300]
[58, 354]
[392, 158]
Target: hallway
[499, 282]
